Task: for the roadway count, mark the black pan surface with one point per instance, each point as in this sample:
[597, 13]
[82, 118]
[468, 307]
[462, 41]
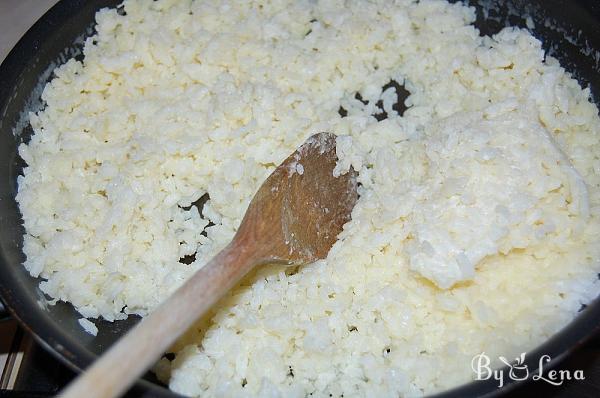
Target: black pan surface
[569, 29]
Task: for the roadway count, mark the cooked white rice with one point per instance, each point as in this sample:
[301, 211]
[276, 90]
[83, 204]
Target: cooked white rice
[477, 226]
[88, 326]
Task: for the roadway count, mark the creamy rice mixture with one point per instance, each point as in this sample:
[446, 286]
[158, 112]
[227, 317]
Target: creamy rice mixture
[476, 229]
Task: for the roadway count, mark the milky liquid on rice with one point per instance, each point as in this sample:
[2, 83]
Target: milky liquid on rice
[476, 229]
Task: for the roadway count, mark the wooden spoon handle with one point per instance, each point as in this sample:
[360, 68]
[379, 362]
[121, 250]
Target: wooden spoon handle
[133, 354]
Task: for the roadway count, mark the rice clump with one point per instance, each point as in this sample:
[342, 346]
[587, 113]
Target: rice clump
[476, 228]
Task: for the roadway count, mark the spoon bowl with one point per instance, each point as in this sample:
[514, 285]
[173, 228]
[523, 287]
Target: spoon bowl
[302, 206]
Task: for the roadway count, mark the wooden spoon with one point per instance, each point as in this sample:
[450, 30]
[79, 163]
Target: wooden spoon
[294, 218]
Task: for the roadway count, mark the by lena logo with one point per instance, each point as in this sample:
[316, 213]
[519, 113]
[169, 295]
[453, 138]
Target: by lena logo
[518, 370]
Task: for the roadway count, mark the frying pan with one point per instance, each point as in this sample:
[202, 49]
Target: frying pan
[569, 29]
